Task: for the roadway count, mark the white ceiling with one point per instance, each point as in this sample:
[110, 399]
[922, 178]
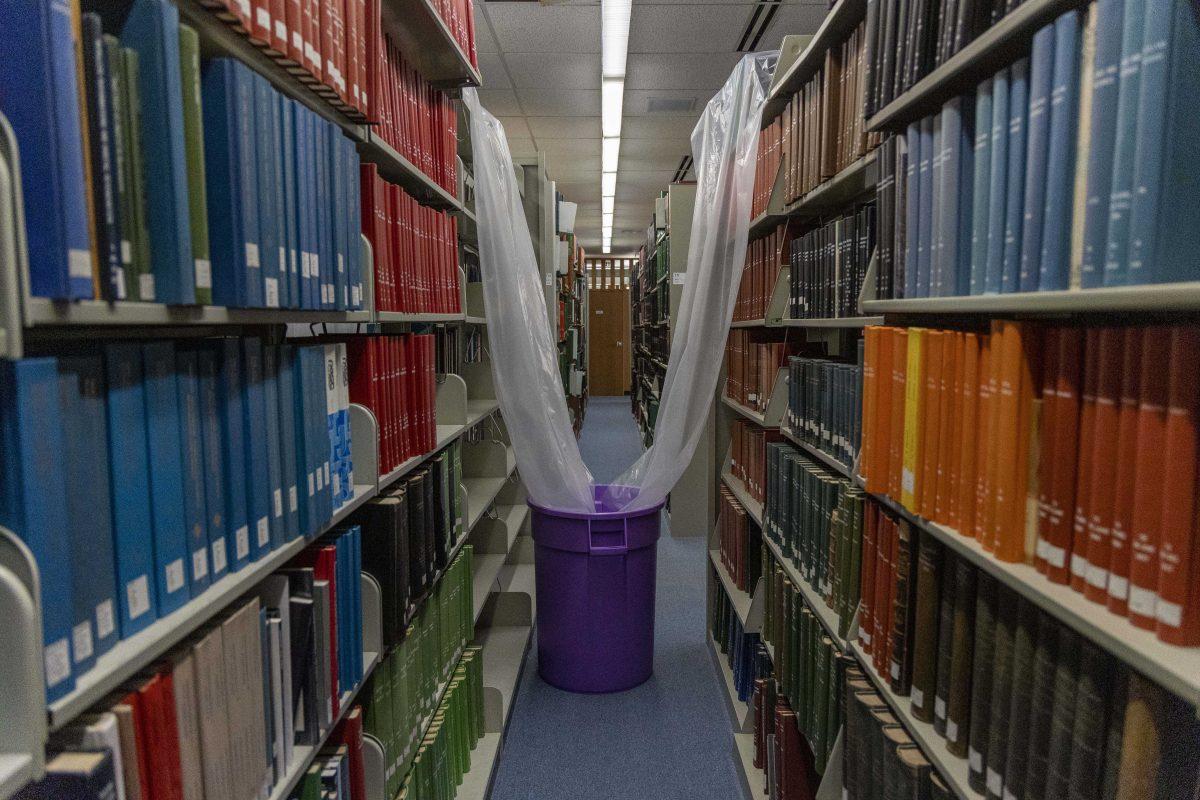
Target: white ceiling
[541, 78]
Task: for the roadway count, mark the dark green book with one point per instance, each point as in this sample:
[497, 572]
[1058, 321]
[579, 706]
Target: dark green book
[193, 141]
[1062, 716]
[997, 736]
[945, 642]
[1020, 711]
[139, 278]
[982, 679]
[925, 632]
[962, 650]
[1045, 656]
[1090, 725]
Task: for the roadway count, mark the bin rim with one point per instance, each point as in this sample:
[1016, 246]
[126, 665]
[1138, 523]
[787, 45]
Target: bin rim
[598, 489]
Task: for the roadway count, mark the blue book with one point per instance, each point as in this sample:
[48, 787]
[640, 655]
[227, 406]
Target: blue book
[345, 456]
[39, 94]
[1120, 193]
[925, 244]
[191, 438]
[258, 484]
[936, 242]
[1055, 261]
[233, 452]
[998, 182]
[300, 129]
[286, 420]
[948, 225]
[1037, 147]
[1166, 215]
[287, 154]
[305, 457]
[320, 434]
[152, 30]
[93, 562]
[279, 203]
[330, 387]
[231, 191]
[1014, 214]
[337, 232]
[270, 388]
[982, 173]
[912, 210]
[171, 546]
[323, 200]
[213, 441]
[83, 629]
[1103, 132]
[34, 502]
[268, 239]
[354, 225]
[966, 196]
[129, 474]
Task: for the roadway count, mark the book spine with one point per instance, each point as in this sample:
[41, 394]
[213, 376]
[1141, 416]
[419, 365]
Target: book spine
[993, 280]
[981, 190]
[1054, 268]
[1018, 107]
[1041, 85]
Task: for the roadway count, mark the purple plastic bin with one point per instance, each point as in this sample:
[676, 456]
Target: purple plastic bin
[595, 596]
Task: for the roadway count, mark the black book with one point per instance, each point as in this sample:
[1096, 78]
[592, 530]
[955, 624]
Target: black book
[982, 675]
[418, 544]
[303, 635]
[871, 58]
[430, 526]
[102, 151]
[1062, 714]
[1020, 712]
[1041, 699]
[945, 642]
[997, 736]
[887, 20]
[1090, 725]
[75, 775]
[385, 556]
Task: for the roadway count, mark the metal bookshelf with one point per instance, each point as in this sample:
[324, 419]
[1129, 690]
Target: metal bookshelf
[427, 41]
[1149, 299]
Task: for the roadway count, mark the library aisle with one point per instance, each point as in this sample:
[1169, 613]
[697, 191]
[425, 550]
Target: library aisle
[669, 737]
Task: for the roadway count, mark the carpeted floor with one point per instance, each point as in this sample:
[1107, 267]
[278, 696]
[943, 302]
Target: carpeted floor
[668, 739]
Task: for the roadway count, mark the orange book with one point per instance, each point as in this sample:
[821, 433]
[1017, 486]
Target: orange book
[964, 490]
[951, 429]
[933, 357]
[1176, 610]
[1046, 435]
[870, 362]
[1007, 534]
[1077, 551]
[1150, 465]
[1101, 497]
[983, 439]
[896, 428]
[1118, 562]
[880, 428]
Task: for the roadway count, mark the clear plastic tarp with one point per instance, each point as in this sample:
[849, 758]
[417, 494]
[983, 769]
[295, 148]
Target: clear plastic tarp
[524, 357]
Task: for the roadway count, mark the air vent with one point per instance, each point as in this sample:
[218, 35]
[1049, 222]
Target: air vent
[685, 166]
[760, 21]
[669, 105]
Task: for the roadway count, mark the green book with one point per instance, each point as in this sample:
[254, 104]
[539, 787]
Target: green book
[193, 140]
[123, 166]
[139, 280]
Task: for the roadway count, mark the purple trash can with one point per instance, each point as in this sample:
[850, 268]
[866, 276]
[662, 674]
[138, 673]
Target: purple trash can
[595, 578]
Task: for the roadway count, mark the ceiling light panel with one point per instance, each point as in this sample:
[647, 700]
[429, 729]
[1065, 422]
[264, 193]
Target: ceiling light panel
[607, 203]
[614, 36]
[611, 153]
[612, 98]
[608, 184]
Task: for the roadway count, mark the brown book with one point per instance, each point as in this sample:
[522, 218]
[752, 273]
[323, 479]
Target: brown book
[1103, 464]
[962, 648]
[938, 790]
[1127, 424]
[964, 503]
[904, 610]
[896, 428]
[1051, 340]
[866, 590]
[925, 627]
[913, 771]
[1077, 552]
[1055, 537]
[933, 354]
[1090, 723]
[945, 642]
[982, 677]
[1019, 714]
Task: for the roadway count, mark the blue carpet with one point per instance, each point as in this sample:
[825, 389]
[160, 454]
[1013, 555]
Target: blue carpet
[668, 739]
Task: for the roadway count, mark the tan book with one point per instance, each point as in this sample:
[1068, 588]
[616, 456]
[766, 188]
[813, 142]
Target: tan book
[187, 720]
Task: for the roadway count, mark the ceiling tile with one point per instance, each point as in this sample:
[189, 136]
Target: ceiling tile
[651, 127]
[554, 70]
[560, 102]
[695, 70]
[674, 146]
[515, 127]
[521, 148]
[565, 127]
[679, 103]
[501, 102]
[491, 69]
[485, 42]
[670, 29]
[534, 28]
[792, 18]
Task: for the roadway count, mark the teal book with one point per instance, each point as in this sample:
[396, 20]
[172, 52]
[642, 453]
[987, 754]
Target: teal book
[1103, 126]
[981, 174]
[1055, 267]
[1166, 216]
[1120, 193]
[1037, 152]
[998, 182]
[1014, 216]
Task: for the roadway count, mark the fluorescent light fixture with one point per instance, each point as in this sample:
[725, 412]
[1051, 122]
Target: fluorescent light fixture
[610, 153]
[614, 36]
[612, 96]
[607, 248]
[607, 219]
[608, 184]
[606, 204]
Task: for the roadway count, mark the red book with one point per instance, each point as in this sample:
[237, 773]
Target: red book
[353, 66]
[349, 734]
[1118, 577]
[883, 569]
[260, 22]
[1063, 451]
[142, 735]
[312, 42]
[294, 15]
[1046, 436]
[324, 38]
[1151, 466]
[279, 28]
[1077, 552]
[1103, 464]
[167, 736]
[1176, 611]
[322, 560]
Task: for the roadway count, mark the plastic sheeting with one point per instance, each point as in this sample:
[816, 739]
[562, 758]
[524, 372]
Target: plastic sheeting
[524, 358]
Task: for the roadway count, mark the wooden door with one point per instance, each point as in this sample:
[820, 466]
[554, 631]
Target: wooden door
[608, 342]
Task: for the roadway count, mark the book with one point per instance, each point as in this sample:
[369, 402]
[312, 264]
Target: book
[1037, 157]
[102, 144]
[193, 122]
[1065, 110]
[1018, 132]
[80, 775]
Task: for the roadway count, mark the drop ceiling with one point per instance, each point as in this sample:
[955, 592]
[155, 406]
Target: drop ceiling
[541, 77]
